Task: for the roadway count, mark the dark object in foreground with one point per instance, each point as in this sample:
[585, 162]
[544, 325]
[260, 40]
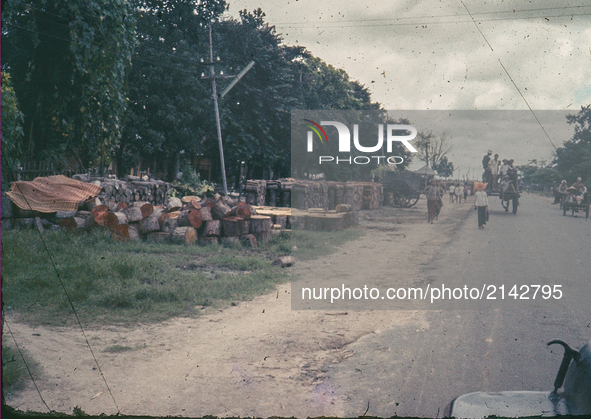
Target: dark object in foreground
[574, 377]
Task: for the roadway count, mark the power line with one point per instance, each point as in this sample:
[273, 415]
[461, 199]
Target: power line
[440, 16]
[471, 17]
[525, 100]
[511, 78]
[337, 25]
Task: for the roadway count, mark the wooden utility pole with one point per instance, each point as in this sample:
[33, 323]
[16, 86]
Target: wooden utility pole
[213, 77]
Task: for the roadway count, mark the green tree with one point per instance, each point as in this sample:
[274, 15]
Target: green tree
[12, 132]
[539, 174]
[573, 159]
[170, 108]
[444, 167]
[69, 61]
[433, 149]
[255, 113]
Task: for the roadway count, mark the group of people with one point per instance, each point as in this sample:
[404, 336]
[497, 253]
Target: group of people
[497, 171]
[457, 191]
[575, 193]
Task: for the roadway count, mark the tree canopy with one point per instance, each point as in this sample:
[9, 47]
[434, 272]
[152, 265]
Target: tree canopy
[98, 79]
[69, 62]
[12, 132]
[573, 159]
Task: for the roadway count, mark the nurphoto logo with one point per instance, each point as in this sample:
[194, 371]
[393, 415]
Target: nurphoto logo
[392, 134]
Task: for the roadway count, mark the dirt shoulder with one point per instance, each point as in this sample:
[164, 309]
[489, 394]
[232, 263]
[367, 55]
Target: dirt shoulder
[258, 358]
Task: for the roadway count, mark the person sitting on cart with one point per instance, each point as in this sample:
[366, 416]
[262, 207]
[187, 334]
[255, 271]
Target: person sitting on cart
[577, 185]
[579, 196]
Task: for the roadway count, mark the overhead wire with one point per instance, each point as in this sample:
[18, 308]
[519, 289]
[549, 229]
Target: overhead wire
[448, 15]
[511, 78]
[339, 25]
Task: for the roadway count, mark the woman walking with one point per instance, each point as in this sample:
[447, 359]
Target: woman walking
[481, 202]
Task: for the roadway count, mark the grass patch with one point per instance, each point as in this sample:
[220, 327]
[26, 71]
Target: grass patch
[14, 370]
[122, 283]
[307, 245]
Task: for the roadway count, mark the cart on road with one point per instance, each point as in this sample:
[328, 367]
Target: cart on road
[403, 188]
[573, 206]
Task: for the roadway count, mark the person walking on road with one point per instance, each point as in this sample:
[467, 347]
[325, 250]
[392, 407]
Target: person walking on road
[433, 197]
[459, 191]
[481, 202]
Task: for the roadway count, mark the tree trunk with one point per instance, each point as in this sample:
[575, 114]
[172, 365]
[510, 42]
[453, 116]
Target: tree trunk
[168, 225]
[260, 226]
[205, 213]
[147, 210]
[99, 214]
[114, 219]
[242, 210]
[124, 232]
[174, 204]
[189, 199]
[122, 206]
[191, 218]
[184, 235]
[234, 226]
[220, 210]
[212, 228]
[149, 225]
[72, 223]
[133, 214]
[174, 214]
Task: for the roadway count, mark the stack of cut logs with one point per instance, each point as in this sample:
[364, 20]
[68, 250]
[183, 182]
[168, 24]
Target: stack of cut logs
[116, 191]
[273, 193]
[188, 220]
[359, 195]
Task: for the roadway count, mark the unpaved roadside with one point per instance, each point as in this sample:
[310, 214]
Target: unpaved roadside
[259, 358]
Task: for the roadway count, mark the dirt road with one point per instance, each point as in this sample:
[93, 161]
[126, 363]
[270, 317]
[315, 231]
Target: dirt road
[259, 358]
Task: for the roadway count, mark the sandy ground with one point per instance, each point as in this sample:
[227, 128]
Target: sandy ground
[259, 358]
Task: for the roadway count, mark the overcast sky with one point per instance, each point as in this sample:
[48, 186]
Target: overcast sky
[430, 54]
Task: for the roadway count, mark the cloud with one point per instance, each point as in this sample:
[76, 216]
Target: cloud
[434, 56]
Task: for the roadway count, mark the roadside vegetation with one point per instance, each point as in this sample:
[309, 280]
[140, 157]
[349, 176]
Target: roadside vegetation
[125, 283]
[14, 369]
